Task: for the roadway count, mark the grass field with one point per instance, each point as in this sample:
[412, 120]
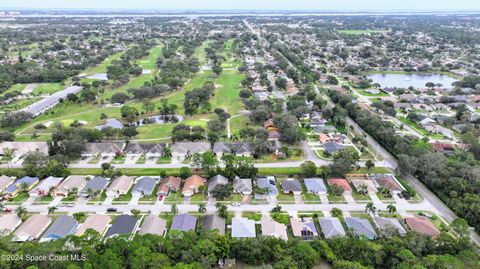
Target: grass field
[47, 88]
[102, 67]
[150, 62]
[14, 87]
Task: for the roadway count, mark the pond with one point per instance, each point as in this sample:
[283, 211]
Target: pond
[414, 80]
[99, 76]
[159, 119]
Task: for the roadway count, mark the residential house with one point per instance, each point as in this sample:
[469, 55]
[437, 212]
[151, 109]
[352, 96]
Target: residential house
[360, 227]
[120, 186]
[50, 101]
[184, 222]
[168, 184]
[269, 125]
[242, 186]
[105, 149]
[45, 186]
[368, 184]
[304, 228]
[273, 135]
[71, 183]
[273, 228]
[243, 149]
[269, 184]
[97, 222]
[421, 225]
[331, 227]
[23, 184]
[21, 149]
[387, 181]
[315, 186]
[32, 228]
[8, 223]
[122, 225]
[192, 185]
[341, 182]
[61, 228]
[214, 181]
[291, 186]
[332, 147]
[144, 186]
[5, 181]
[96, 185]
[153, 224]
[389, 224]
[243, 228]
[182, 150]
[149, 150]
[214, 222]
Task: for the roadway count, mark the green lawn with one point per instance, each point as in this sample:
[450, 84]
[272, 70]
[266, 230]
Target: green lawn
[226, 95]
[14, 87]
[174, 197]
[199, 198]
[19, 198]
[47, 88]
[361, 197]
[333, 199]
[311, 198]
[102, 67]
[18, 104]
[150, 62]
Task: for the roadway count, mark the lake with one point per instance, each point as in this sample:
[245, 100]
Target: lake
[407, 80]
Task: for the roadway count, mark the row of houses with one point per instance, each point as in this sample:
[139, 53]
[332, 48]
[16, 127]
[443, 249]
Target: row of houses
[179, 150]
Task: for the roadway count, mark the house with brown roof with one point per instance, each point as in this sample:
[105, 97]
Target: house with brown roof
[70, 183]
[269, 125]
[95, 222]
[341, 182]
[168, 184]
[421, 225]
[120, 186]
[304, 228]
[192, 185]
[8, 223]
[32, 228]
[387, 181]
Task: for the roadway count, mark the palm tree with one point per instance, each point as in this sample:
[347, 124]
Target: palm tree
[52, 210]
[24, 186]
[221, 210]
[391, 208]
[277, 209]
[363, 189]
[202, 207]
[336, 212]
[370, 208]
[21, 211]
[8, 155]
[174, 209]
[136, 213]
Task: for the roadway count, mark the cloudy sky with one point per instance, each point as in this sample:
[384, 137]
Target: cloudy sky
[338, 5]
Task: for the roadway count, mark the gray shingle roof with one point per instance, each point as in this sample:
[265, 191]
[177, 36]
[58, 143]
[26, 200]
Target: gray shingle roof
[332, 147]
[389, 223]
[106, 147]
[215, 181]
[291, 185]
[238, 148]
[331, 227]
[361, 227]
[140, 148]
[184, 222]
[46, 102]
[144, 186]
[190, 147]
[95, 184]
[242, 185]
[243, 227]
[153, 224]
[269, 183]
[214, 222]
[63, 226]
[315, 185]
[123, 224]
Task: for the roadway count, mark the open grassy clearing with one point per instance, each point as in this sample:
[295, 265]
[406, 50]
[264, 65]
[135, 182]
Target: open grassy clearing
[150, 62]
[48, 88]
[14, 87]
[18, 104]
[102, 67]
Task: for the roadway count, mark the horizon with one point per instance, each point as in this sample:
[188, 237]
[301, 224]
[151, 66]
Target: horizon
[245, 5]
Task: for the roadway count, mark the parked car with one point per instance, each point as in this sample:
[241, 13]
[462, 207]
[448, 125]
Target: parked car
[111, 209]
[7, 210]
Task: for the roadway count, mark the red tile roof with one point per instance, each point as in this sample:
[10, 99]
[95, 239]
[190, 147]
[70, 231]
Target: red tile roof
[340, 182]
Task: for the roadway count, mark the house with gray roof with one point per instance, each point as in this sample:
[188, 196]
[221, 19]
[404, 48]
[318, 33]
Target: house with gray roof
[97, 184]
[214, 222]
[243, 149]
[181, 150]
[61, 228]
[270, 185]
[361, 227]
[389, 224]
[144, 186]
[242, 186]
[49, 102]
[315, 186]
[332, 147]
[21, 149]
[153, 224]
[291, 186]
[184, 222]
[303, 227]
[331, 227]
[104, 149]
[124, 224]
[150, 150]
[5, 181]
[214, 181]
[243, 228]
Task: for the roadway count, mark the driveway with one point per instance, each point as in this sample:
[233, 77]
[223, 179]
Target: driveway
[108, 200]
[349, 198]
[324, 198]
[134, 200]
